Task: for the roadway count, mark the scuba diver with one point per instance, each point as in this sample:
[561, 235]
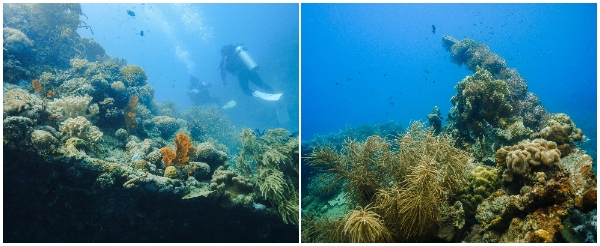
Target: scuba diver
[237, 61]
[198, 93]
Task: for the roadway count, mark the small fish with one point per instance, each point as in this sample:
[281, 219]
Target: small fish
[142, 33]
[130, 13]
[426, 71]
[385, 75]
[348, 79]
[392, 103]
[433, 29]
[358, 72]
[425, 77]
[337, 82]
[432, 81]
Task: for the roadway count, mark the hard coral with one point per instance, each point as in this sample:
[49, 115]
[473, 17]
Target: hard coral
[134, 75]
[81, 128]
[480, 100]
[237, 188]
[73, 106]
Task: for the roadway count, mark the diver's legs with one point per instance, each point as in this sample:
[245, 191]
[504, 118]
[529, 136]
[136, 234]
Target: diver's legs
[244, 85]
[258, 82]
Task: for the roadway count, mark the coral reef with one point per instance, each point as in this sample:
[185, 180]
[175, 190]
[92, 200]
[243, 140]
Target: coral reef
[525, 105]
[481, 101]
[166, 125]
[238, 188]
[84, 166]
[520, 159]
[435, 119]
[133, 75]
[207, 152]
[405, 178]
[363, 225]
[80, 127]
[71, 107]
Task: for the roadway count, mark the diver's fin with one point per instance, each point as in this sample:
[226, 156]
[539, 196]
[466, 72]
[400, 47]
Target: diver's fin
[282, 114]
[266, 96]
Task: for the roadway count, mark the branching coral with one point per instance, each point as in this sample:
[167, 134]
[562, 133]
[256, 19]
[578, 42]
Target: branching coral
[17, 100]
[80, 127]
[73, 106]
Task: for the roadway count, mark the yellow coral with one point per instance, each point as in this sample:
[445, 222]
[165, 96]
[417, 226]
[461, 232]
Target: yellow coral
[171, 172]
[134, 75]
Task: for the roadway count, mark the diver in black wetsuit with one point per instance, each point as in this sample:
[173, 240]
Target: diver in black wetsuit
[198, 93]
[232, 62]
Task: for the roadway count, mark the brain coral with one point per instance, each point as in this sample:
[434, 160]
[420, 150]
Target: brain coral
[521, 157]
[134, 75]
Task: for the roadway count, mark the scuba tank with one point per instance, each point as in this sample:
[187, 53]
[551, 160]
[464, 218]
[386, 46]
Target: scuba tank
[250, 64]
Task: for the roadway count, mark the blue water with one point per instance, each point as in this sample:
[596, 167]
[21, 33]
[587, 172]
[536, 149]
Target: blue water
[183, 40]
[349, 49]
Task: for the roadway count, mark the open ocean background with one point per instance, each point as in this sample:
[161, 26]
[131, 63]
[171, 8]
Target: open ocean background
[373, 63]
[183, 40]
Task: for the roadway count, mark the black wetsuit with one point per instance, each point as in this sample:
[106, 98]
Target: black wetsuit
[234, 65]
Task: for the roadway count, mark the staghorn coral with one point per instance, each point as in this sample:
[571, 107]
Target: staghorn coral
[80, 127]
[363, 225]
[73, 106]
[133, 76]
